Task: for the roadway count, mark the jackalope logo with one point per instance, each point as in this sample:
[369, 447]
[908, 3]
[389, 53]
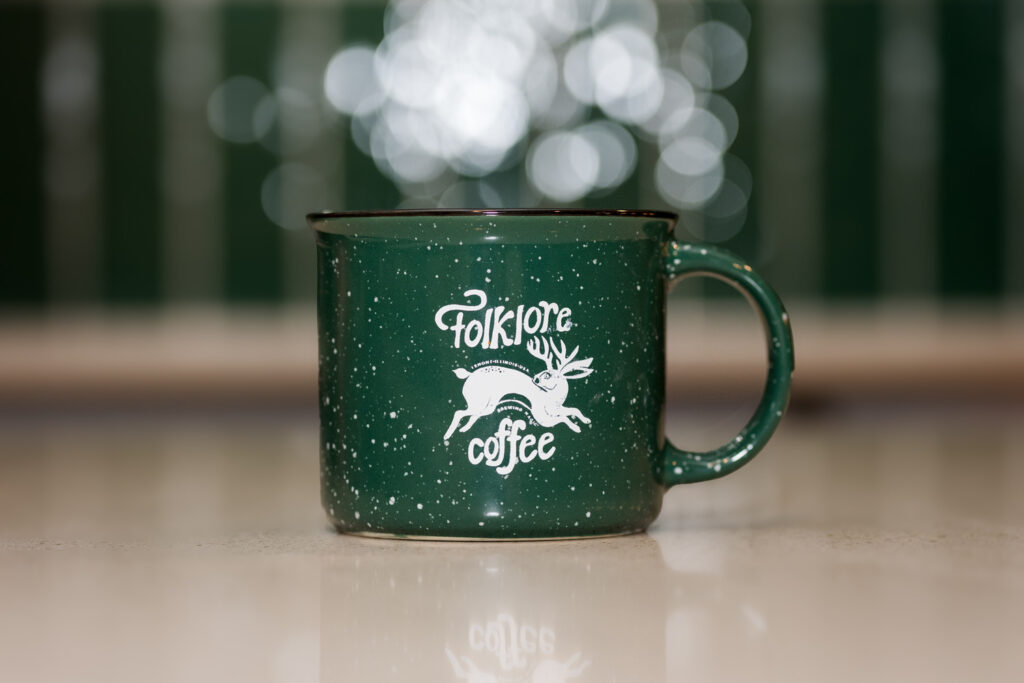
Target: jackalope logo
[500, 384]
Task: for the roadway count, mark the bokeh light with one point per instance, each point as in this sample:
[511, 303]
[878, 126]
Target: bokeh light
[714, 55]
[300, 118]
[241, 110]
[349, 80]
[616, 150]
[564, 95]
[563, 165]
[688, 190]
[289, 191]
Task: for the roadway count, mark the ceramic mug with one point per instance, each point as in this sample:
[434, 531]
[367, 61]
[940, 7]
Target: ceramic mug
[500, 374]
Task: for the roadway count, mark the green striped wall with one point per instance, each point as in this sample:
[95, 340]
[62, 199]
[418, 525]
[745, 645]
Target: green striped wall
[744, 96]
[851, 245]
[365, 187]
[22, 239]
[252, 242]
[129, 41]
[971, 193]
[844, 257]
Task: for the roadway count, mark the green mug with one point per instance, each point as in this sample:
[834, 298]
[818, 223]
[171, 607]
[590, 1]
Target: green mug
[500, 374]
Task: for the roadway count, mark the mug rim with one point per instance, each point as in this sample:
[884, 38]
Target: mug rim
[407, 213]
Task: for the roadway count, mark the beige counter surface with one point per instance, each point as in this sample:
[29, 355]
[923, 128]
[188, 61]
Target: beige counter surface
[864, 548]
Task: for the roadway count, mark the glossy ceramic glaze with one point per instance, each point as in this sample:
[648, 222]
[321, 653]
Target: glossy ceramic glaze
[500, 374]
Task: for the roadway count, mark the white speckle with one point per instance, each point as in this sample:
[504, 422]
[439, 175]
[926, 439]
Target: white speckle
[588, 513]
[357, 515]
[419, 506]
[375, 299]
[739, 438]
[678, 470]
[392, 415]
[391, 500]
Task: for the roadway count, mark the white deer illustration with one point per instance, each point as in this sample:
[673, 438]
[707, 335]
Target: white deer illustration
[546, 391]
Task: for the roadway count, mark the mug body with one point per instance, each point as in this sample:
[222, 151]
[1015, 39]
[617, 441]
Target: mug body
[491, 374]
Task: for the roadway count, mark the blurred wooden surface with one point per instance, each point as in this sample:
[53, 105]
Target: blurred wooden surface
[715, 352]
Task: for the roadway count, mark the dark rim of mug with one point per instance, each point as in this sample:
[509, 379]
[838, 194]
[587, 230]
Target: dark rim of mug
[400, 213]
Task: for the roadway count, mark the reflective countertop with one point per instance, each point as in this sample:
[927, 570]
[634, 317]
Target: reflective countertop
[886, 546]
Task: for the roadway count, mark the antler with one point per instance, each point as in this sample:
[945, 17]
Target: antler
[563, 360]
[534, 347]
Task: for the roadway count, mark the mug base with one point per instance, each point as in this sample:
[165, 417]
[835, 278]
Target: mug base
[483, 539]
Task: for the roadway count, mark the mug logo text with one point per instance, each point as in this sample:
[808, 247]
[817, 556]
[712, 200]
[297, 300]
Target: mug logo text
[500, 384]
[500, 326]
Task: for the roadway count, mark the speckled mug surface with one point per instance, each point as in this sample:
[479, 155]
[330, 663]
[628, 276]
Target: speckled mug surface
[500, 374]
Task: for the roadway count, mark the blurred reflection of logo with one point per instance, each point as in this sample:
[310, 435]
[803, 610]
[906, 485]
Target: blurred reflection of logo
[524, 652]
[511, 642]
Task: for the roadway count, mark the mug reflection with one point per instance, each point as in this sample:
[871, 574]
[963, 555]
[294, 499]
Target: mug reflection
[601, 610]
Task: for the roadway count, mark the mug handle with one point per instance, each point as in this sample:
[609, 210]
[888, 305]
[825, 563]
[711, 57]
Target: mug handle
[687, 260]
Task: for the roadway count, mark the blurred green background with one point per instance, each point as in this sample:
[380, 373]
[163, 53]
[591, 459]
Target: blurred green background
[158, 154]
